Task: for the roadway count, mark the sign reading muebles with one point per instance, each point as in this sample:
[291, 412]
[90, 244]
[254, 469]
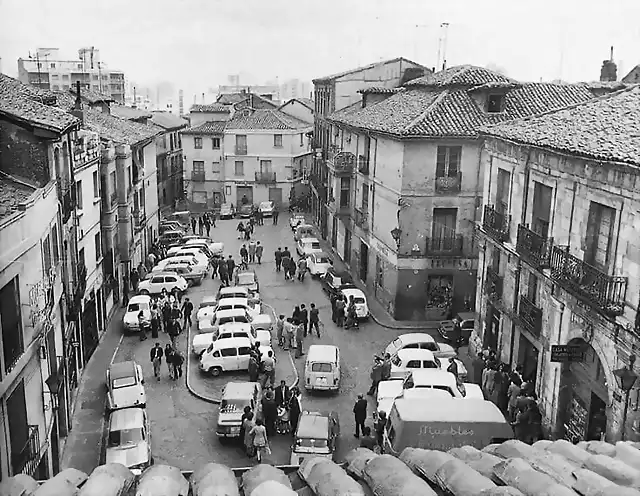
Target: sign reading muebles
[562, 353]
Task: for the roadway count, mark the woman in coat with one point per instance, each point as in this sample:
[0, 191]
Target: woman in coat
[248, 424]
[294, 409]
[260, 441]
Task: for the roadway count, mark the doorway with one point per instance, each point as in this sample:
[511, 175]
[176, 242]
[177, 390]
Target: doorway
[364, 261]
[334, 232]
[18, 429]
[244, 195]
[275, 195]
[528, 359]
[493, 329]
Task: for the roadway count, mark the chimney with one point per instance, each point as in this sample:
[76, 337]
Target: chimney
[203, 99]
[609, 70]
[77, 106]
[135, 98]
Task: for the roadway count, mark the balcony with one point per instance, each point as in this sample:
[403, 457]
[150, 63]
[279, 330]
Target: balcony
[26, 461]
[80, 285]
[533, 248]
[530, 316]
[361, 219]
[139, 220]
[496, 224]
[241, 149]
[363, 165]
[343, 209]
[68, 203]
[265, 177]
[197, 176]
[449, 184]
[448, 246]
[606, 294]
[86, 148]
[493, 285]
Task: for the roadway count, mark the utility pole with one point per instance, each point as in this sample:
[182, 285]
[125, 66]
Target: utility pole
[442, 47]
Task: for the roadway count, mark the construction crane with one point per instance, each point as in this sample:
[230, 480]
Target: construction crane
[442, 47]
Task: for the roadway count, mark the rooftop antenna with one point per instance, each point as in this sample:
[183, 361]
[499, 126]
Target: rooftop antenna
[441, 63]
[99, 75]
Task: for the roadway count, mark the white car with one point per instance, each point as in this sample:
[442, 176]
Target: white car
[125, 386]
[191, 251]
[197, 260]
[201, 342]
[388, 391]
[436, 379]
[423, 341]
[229, 304]
[136, 305]
[207, 303]
[296, 220]
[215, 363]
[318, 263]
[409, 359]
[359, 299]
[157, 282]
[266, 208]
[261, 321]
[306, 246]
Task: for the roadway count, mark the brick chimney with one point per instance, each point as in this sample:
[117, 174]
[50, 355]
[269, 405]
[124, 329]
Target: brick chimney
[77, 106]
[609, 70]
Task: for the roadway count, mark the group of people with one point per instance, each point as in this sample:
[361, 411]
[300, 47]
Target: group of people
[251, 254]
[280, 410]
[204, 223]
[291, 331]
[171, 355]
[360, 417]
[287, 264]
[343, 311]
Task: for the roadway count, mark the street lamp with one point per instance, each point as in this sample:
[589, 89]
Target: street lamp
[53, 383]
[396, 232]
[626, 379]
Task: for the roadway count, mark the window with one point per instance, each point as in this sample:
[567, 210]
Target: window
[53, 65]
[55, 87]
[197, 142]
[265, 166]
[541, 209]
[277, 140]
[65, 77]
[79, 195]
[239, 168]
[215, 143]
[444, 228]
[345, 190]
[112, 182]
[502, 191]
[98, 244]
[365, 197]
[532, 288]
[11, 322]
[599, 235]
[157, 280]
[82, 261]
[347, 245]
[79, 66]
[379, 272]
[413, 364]
[241, 144]
[301, 139]
[229, 352]
[46, 255]
[215, 168]
[448, 161]
[198, 167]
[495, 103]
[96, 185]
[54, 243]
[94, 77]
[55, 76]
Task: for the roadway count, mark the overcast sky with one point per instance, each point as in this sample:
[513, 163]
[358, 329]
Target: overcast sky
[195, 44]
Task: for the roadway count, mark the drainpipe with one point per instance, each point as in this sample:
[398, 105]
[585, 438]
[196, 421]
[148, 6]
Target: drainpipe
[554, 400]
[573, 207]
[373, 185]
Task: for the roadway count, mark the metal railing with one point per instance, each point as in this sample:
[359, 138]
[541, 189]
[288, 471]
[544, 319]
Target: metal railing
[265, 177]
[530, 315]
[241, 149]
[197, 176]
[361, 219]
[450, 244]
[603, 292]
[496, 224]
[493, 285]
[449, 184]
[27, 459]
[533, 248]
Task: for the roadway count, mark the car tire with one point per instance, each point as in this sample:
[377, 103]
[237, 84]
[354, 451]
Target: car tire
[144, 292]
[215, 371]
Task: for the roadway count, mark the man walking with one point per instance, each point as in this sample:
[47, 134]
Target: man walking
[276, 212]
[252, 251]
[269, 368]
[286, 264]
[289, 334]
[280, 330]
[360, 414]
[187, 310]
[299, 338]
[259, 252]
[314, 320]
[304, 318]
[376, 375]
[302, 268]
[193, 225]
[244, 254]
[340, 308]
[178, 360]
[283, 394]
[156, 359]
[231, 265]
[134, 278]
[224, 273]
[168, 357]
[278, 257]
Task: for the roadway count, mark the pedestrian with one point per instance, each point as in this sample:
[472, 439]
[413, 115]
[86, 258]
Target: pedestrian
[176, 314]
[304, 318]
[207, 225]
[166, 315]
[260, 440]
[269, 411]
[333, 299]
[292, 268]
[252, 252]
[351, 314]
[155, 321]
[453, 367]
[245, 415]
[214, 218]
[314, 320]
[286, 265]
[379, 427]
[295, 408]
[489, 381]
[302, 268]
[259, 217]
[278, 257]
[178, 361]
[376, 375]
[367, 440]
[276, 212]
[151, 260]
[125, 291]
[280, 330]
[340, 307]
[156, 359]
[193, 225]
[174, 331]
[360, 414]
[259, 252]
[513, 393]
[215, 261]
[168, 358]
[248, 229]
[269, 369]
[231, 266]
[224, 273]
[299, 338]
[289, 334]
[296, 313]
[187, 310]
[240, 230]
[386, 367]
[283, 394]
[200, 226]
[142, 326]
[254, 368]
[142, 271]
[248, 426]
[286, 253]
[244, 254]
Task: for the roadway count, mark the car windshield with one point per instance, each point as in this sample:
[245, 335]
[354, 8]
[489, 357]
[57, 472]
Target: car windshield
[233, 405]
[226, 320]
[305, 442]
[206, 304]
[265, 205]
[430, 345]
[136, 307]
[321, 367]
[125, 437]
[395, 360]
[358, 300]
[322, 260]
[246, 279]
[122, 382]
[233, 295]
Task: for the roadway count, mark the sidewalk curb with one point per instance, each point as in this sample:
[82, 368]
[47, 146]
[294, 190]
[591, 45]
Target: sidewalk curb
[215, 400]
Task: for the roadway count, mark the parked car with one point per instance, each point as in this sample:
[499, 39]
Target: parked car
[306, 246]
[128, 439]
[227, 211]
[171, 238]
[183, 216]
[125, 386]
[247, 279]
[409, 359]
[359, 299]
[201, 342]
[435, 379]
[170, 226]
[157, 282]
[185, 270]
[387, 393]
[137, 304]
[229, 355]
[245, 211]
[420, 340]
[335, 281]
[467, 323]
[206, 306]
[262, 321]
[317, 435]
[233, 292]
[198, 261]
[235, 397]
[296, 220]
[304, 231]
[252, 306]
[266, 208]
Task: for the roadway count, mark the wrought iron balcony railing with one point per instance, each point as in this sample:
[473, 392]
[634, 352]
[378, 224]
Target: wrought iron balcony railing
[448, 245]
[361, 219]
[449, 184]
[363, 165]
[530, 315]
[533, 248]
[265, 177]
[603, 292]
[241, 149]
[80, 284]
[27, 459]
[197, 176]
[493, 285]
[68, 204]
[496, 224]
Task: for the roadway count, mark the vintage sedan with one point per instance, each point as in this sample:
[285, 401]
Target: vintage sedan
[359, 300]
[317, 434]
[423, 341]
[296, 220]
[192, 275]
[409, 359]
[222, 317]
[128, 439]
[251, 305]
[318, 263]
[466, 320]
[201, 342]
[307, 246]
[266, 208]
[227, 211]
[235, 397]
[334, 281]
[125, 386]
[246, 211]
[247, 279]
[157, 282]
[137, 304]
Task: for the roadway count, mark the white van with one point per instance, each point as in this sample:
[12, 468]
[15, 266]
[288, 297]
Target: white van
[229, 355]
[322, 368]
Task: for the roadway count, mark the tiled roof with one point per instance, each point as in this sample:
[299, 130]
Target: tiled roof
[12, 194]
[212, 107]
[256, 102]
[364, 68]
[307, 102]
[606, 85]
[129, 113]
[265, 119]
[438, 112]
[633, 77]
[231, 98]
[168, 121]
[460, 75]
[379, 90]
[31, 105]
[606, 128]
[92, 96]
[212, 127]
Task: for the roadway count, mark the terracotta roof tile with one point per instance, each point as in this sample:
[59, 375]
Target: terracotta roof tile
[381, 90]
[212, 127]
[92, 96]
[231, 98]
[265, 119]
[129, 113]
[256, 102]
[212, 107]
[363, 68]
[167, 120]
[606, 128]
[12, 194]
[460, 75]
[30, 104]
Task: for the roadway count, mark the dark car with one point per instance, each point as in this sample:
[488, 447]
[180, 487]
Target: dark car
[334, 281]
[245, 211]
[317, 435]
[467, 322]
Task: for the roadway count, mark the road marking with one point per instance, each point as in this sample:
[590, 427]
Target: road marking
[115, 352]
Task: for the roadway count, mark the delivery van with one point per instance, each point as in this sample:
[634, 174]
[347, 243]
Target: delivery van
[442, 425]
[322, 368]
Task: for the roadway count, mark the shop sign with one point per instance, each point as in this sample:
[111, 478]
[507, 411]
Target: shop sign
[41, 298]
[565, 353]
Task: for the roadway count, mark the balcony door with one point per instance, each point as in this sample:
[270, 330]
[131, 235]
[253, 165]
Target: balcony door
[502, 191]
[599, 235]
[444, 228]
[18, 429]
[541, 214]
[265, 167]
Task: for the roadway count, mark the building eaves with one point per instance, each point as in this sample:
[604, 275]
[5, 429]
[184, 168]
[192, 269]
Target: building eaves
[605, 128]
[212, 107]
[461, 75]
[210, 127]
[129, 113]
[231, 98]
[380, 90]
[168, 121]
[364, 68]
[264, 119]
